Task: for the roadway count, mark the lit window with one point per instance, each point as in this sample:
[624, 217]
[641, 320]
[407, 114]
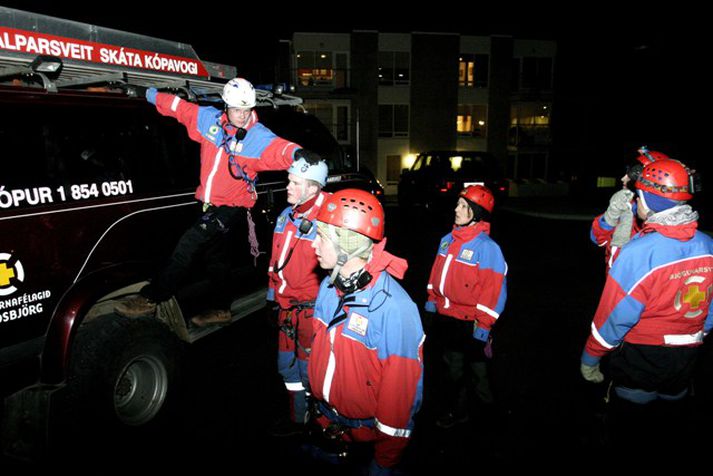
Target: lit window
[471, 120]
[315, 68]
[473, 70]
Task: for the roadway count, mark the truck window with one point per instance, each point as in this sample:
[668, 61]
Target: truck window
[60, 143]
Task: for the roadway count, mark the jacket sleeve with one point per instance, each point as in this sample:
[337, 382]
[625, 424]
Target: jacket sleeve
[619, 310]
[430, 305]
[490, 289]
[187, 113]
[601, 232]
[401, 354]
[278, 155]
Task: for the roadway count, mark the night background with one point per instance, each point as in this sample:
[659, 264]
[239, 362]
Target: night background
[622, 80]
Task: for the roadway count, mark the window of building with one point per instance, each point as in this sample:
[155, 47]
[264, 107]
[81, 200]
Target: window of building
[315, 68]
[342, 125]
[471, 120]
[473, 71]
[393, 120]
[334, 117]
[530, 123]
[537, 73]
[394, 68]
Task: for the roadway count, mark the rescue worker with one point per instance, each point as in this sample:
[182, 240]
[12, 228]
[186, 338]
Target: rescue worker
[234, 148]
[468, 289]
[366, 365]
[615, 227]
[294, 282]
[655, 307]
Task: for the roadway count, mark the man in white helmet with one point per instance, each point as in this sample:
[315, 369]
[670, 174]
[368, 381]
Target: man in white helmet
[234, 148]
[294, 283]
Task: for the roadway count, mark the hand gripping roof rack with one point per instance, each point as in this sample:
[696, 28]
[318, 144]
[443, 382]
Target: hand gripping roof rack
[66, 54]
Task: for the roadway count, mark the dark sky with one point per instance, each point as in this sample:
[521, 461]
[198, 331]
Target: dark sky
[622, 78]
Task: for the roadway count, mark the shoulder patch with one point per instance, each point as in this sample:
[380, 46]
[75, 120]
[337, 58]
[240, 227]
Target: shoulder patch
[213, 130]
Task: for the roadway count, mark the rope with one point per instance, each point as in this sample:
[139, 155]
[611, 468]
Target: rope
[252, 238]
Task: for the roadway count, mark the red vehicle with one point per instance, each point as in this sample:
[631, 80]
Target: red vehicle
[95, 190]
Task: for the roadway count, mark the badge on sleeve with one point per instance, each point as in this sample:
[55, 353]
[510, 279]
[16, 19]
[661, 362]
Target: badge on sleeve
[358, 323]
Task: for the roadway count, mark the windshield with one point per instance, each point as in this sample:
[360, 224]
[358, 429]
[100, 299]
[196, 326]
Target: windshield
[306, 130]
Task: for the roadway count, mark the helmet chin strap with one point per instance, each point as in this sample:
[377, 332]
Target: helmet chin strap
[342, 256]
[649, 211]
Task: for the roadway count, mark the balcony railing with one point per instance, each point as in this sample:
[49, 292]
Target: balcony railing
[527, 135]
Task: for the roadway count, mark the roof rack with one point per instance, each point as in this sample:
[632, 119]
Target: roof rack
[92, 56]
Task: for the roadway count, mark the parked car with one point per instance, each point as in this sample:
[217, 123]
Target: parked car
[436, 178]
[95, 191]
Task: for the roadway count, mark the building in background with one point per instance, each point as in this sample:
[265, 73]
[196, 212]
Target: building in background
[389, 96]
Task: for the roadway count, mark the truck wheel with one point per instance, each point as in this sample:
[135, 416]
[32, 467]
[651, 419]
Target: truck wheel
[123, 371]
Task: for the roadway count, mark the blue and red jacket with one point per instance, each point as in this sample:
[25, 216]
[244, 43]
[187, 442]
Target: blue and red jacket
[658, 292]
[367, 357]
[468, 278]
[259, 150]
[298, 280]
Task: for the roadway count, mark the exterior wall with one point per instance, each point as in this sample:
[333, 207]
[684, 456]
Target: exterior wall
[364, 80]
[432, 93]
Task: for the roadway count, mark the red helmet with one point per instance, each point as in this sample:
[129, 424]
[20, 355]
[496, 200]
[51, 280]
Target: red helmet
[647, 156]
[481, 195]
[666, 178]
[355, 210]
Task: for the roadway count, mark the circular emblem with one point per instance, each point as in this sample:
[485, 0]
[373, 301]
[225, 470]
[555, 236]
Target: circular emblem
[694, 297]
[11, 274]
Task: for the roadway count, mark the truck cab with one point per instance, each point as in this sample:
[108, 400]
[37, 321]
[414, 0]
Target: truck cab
[96, 189]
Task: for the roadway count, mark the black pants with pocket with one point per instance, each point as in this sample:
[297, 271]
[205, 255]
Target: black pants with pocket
[207, 240]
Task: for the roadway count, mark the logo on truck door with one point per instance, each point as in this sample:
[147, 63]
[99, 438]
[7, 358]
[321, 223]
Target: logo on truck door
[25, 303]
[11, 273]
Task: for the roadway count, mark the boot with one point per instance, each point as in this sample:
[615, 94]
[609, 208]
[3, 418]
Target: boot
[135, 306]
[218, 317]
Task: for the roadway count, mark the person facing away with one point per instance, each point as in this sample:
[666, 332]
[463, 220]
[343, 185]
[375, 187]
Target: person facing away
[234, 147]
[618, 224]
[366, 365]
[467, 289]
[294, 282]
[655, 309]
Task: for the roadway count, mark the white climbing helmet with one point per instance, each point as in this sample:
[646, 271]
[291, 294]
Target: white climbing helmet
[239, 92]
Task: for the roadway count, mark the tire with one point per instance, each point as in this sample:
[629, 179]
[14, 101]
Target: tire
[123, 372]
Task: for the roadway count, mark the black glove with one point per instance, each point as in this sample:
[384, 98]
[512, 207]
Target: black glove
[312, 158]
[134, 90]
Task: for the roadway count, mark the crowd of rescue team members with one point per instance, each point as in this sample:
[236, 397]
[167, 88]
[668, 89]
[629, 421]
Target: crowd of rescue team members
[350, 345]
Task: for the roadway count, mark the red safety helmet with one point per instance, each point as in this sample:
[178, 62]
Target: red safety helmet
[480, 195]
[354, 210]
[647, 156]
[666, 178]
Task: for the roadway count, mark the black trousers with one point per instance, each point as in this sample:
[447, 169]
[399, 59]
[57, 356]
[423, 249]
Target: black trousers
[206, 240]
[463, 366]
[668, 370]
